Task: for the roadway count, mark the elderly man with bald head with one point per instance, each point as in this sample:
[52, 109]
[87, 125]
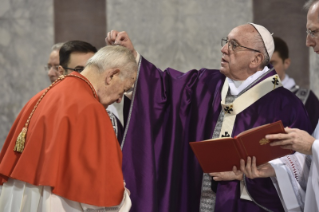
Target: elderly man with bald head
[172, 109]
[61, 153]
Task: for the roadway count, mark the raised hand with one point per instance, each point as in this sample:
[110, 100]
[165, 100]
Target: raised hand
[227, 176]
[252, 171]
[295, 139]
[120, 38]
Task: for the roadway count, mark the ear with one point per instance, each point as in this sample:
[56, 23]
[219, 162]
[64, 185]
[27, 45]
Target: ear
[61, 70]
[257, 60]
[287, 63]
[111, 74]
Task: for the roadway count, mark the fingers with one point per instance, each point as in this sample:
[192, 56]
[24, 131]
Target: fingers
[235, 169]
[121, 37]
[281, 143]
[111, 37]
[216, 176]
[248, 165]
[247, 170]
[279, 136]
[253, 166]
[290, 130]
[287, 147]
[242, 166]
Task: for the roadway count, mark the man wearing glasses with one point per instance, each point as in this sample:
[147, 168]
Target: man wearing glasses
[296, 176]
[53, 64]
[61, 153]
[68, 57]
[172, 109]
[74, 55]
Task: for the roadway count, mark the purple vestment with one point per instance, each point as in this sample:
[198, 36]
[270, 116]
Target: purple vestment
[170, 109]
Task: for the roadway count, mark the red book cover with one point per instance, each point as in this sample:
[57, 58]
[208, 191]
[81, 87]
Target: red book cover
[221, 154]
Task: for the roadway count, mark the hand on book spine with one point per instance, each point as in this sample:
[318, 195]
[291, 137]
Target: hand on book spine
[295, 139]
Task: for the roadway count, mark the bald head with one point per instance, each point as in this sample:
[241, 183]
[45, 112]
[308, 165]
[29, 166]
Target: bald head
[314, 8]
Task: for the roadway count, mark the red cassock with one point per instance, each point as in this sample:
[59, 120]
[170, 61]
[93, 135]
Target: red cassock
[70, 146]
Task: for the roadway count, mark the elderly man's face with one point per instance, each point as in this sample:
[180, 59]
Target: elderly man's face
[53, 63]
[116, 88]
[313, 28]
[235, 63]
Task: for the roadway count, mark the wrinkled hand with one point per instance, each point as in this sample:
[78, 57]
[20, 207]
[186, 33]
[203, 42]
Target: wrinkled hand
[295, 139]
[120, 38]
[227, 176]
[252, 171]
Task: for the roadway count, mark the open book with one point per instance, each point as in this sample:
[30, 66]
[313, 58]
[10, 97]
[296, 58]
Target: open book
[221, 154]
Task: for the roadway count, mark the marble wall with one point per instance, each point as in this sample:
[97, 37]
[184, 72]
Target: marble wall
[182, 34]
[26, 37]
[177, 33]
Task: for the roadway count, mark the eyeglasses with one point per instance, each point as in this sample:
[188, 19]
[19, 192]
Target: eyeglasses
[48, 67]
[312, 33]
[234, 45]
[79, 69]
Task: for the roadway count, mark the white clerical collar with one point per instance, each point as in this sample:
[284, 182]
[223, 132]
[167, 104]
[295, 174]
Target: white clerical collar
[288, 82]
[237, 86]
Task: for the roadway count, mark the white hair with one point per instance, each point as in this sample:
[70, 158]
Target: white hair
[110, 57]
[57, 46]
[261, 47]
[309, 3]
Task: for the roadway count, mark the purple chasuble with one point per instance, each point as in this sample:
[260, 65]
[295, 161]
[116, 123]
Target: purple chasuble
[170, 109]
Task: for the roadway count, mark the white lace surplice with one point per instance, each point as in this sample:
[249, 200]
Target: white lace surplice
[19, 196]
[297, 180]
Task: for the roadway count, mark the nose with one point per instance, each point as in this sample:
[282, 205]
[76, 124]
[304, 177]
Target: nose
[51, 72]
[310, 41]
[224, 49]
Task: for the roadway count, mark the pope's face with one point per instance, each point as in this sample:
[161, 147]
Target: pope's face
[235, 63]
[313, 28]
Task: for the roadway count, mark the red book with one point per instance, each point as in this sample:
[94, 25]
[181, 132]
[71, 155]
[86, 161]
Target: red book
[221, 154]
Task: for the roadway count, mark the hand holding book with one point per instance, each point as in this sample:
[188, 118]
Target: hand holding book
[222, 154]
[250, 169]
[295, 139]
